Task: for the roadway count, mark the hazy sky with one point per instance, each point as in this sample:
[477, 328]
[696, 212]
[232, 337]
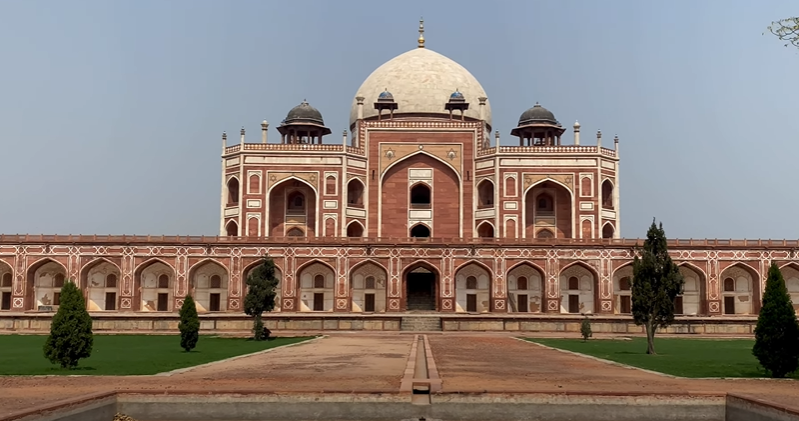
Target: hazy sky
[111, 111]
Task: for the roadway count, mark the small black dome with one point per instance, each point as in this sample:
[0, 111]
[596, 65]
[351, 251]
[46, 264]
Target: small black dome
[537, 114]
[304, 113]
[386, 95]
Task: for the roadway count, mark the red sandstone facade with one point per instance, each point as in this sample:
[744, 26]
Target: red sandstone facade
[416, 208]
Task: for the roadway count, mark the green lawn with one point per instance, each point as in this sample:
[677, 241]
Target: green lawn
[675, 356]
[127, 354]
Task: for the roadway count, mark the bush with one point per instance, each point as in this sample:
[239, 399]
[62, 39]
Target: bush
[585, 329]
[777, 330]
[189, 324]
[71, 337]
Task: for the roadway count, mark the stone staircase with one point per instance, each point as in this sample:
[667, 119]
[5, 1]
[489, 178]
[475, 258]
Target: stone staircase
[419, 323]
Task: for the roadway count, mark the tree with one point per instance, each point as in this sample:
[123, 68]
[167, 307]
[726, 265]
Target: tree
[656, 283]
[585, 329]
[71, 330]
[787, 30]
[777, 331]
[260, 297]
[189, 324]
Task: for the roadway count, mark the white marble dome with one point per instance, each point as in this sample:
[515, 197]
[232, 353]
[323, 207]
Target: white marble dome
[421, 81]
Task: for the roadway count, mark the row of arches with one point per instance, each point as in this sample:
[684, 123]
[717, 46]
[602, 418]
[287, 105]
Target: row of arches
[485, 192]
[154, 287]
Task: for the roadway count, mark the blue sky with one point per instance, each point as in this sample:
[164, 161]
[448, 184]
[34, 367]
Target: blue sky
[112, 110]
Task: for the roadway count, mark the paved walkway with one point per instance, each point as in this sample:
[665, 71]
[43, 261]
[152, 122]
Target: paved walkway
[375, 362]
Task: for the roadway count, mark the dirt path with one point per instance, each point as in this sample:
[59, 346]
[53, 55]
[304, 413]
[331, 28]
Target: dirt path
[339, 363]
[505, 364]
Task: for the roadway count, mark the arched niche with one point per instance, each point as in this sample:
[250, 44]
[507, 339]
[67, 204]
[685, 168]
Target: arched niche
[233, 191]
[739, 290]
[368, 282]
[6, 285]
[355, 191]
[292, 204]
[485, 194]
[355, 229]
[473, 289]
[485, 230]
[154, 283]
[209, 286]
[622, 290]
[317, 287]
[607, 194]
[548, 206]
[578, 285]
[790, 273]
[526, 289]
[45, 280]
[102, 279]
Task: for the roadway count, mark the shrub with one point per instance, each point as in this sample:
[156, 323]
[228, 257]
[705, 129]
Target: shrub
[585, 329]
[189, 324]
[777, 331]
[71, 337]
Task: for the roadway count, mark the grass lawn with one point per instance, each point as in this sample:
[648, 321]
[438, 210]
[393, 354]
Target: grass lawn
[127, 354]
[675, 356]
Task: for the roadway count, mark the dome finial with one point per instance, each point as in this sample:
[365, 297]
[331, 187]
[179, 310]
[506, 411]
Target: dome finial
[421, 32]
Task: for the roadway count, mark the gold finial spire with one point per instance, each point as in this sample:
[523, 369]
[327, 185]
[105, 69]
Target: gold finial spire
[421, 33]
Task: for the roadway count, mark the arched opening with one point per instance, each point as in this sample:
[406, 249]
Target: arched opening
[472, 289]
[6, 283]
[607, 231]
[368, 282]
[622, 290]
[317, 287]
[254, 184]
[739, 291]
[545, 233]
[355, 229]
[791, 275]
[577, 284]
[485, 230]
[295, 232]
[209, 284]
[420, 284]
[45, 279]
[548, 205]
[510, 186]
[607, 194]
[355, 193]
[330, 185]
[420, 231]
[232, 229]
[153, 286]
[485, 194]
[585, 187]
[525, 289]
[295, 203]
[101, 279]
[420, 196]
[692, 300]
[292, 204]
[233, 191]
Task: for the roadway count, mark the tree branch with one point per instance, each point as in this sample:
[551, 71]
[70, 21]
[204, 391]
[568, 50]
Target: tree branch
[787, 30]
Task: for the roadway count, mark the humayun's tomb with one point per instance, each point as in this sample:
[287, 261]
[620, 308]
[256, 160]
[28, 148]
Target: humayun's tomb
[416, 211]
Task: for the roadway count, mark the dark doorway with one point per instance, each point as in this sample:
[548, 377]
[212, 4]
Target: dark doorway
[163, 302]
[678, 305]
[421, 290]
[625, 304]
[369, 303]
[729, 305]
[110, 301]
[471, 303]
[215, 302]
[522, 303]
[319, 301]
[420, 231]
[574, 303]
[5, 304]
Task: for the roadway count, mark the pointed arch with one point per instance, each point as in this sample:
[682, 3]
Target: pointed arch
[579, 295]
[292, 178]
[32, 292]
[563, 223]
[421, 152]
[6, 285]
[149, 291]
[232, 184]
[420, 195]
[369, 284]
[420, 230]
[607, 194]
[208, 284]
[608, 230]
[526, 288]
[317, 285]
[693, 299]
[485, 194]
[420, 263]
[485, 229]
[355, 229]
[473, 286]
[744, 296]
[298, 198]
[790, 272]
[101, 289]
[232, 228]
[355, 191]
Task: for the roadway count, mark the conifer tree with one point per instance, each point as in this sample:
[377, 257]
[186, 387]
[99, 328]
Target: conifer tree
[777, 331]
[71, 337]
[260, 297]
[189, 324]
[585, 329]
[656, 283]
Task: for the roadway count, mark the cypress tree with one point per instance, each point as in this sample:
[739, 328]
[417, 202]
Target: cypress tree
[656, 283]
[189, 324]
[777, 331]
[260, 297]
[71, 337]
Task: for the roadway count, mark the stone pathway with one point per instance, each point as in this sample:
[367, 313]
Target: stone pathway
[375, 363]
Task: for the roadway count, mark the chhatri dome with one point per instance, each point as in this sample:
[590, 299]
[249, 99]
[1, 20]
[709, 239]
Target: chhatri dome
[421, 81]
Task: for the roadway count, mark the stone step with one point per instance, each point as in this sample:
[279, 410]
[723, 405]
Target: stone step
[420, 324]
